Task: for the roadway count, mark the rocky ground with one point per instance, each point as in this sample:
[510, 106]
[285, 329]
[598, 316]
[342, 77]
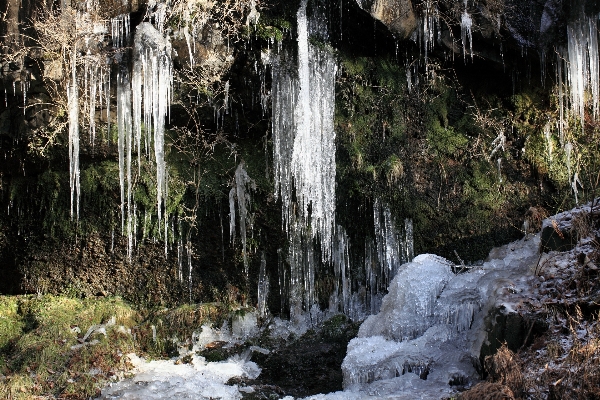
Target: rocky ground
[562, 360]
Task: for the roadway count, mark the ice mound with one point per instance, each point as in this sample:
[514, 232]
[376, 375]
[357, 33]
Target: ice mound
[407, 310]
[426, 339]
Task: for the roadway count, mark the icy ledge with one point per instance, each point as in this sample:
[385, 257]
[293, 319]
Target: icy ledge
[427, 337]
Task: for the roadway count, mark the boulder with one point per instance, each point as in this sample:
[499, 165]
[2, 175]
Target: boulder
[397, 15]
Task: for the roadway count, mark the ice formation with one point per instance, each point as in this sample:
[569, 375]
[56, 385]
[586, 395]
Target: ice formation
[341, 268]
[88, 73]
[466, 25]
[142, 99]
[125, 147]
[583, 64]
[151, 84]
[199, 379]
[578, 85]
[263, 288]
[430, 326]
[393, 249]
[240, 191]
[429, 26]
[73, 107]
[304, 138]
[301, 280]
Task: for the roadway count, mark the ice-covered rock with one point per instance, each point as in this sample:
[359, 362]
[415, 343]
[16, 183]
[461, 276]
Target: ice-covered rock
[427, 337]
[408, 309]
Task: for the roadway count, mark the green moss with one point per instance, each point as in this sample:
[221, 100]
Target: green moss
[370, 117]
[47, 345]
[269, 29]
[11, 324]
[445, 141]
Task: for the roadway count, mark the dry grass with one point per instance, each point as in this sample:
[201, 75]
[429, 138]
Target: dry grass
[504, 368]
[488, 391]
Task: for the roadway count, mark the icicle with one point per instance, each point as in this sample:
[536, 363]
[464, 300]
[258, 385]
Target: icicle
[151, 87]
[409, 252]
[466, 24]
[548, 136]
[340, 299]
[574, 187]
[594, 65]
[93, 82]
[263, 288]
[180, 259]
[392, 248]
[577, 64]
[499, 162]
[188, 41]
[73, 107]
[243, 183]
[125, 148]
[569, 151]
[428, 28]
[232, 215]
[121, 147]
[190, 267]
[561, 106]
[226, 99]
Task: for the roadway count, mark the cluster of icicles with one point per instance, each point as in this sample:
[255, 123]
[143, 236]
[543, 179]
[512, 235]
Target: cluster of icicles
[303, 106]
[143, 100]
[304, 138]
[578, 76]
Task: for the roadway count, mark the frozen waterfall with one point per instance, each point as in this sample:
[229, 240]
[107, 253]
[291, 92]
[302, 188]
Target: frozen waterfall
[304, 138]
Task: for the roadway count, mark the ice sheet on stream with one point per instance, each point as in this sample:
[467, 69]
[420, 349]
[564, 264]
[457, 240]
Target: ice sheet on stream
[198, 379]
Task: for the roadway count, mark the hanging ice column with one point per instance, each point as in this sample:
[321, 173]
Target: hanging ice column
[583, 66]
[304, 138]
[466, 24]
[125, 145]
[241, 191]
[73, 107]
[151, 86]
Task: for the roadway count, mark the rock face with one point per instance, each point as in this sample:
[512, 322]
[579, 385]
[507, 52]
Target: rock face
[397, 15]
